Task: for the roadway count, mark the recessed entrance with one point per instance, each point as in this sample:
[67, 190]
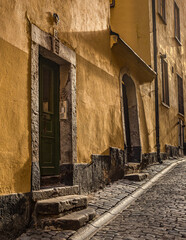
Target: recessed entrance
[131, 120]
[48, 117]
[53, 110]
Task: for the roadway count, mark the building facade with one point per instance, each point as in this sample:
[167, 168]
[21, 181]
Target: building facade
[86, 87]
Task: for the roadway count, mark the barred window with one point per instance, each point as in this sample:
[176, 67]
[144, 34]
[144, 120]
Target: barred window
[161, 10]
[180, 95]
[165, 83]
[176, 22]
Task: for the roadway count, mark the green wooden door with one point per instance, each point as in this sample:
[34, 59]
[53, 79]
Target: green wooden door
[49, 117]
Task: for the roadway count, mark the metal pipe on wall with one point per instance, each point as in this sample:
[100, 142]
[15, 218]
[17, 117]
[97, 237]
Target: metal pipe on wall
[156, 80]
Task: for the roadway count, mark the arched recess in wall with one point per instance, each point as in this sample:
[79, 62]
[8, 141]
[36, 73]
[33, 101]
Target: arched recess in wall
[131, 120]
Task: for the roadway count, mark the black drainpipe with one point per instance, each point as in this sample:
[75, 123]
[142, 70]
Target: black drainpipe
[156, 80]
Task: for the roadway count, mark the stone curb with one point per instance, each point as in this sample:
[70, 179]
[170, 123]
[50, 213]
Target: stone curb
[90, 229]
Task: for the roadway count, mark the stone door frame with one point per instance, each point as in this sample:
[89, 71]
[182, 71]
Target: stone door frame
[51, 48]
[123, 72]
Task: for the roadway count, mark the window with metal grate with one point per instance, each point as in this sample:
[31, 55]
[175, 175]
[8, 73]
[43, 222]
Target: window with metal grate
[165, 83]
[162, 10]
[180, 95]
[177, 22]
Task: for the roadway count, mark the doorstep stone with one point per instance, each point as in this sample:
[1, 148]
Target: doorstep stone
[58, 205]
[54, 192]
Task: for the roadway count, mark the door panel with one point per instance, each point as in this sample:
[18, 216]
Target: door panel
[127, 125]
[49, 117]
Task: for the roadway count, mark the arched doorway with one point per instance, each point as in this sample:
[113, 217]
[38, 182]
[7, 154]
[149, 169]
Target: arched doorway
[131, 120]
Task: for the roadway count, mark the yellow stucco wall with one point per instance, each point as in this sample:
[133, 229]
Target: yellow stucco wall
[175, 58]
[99, 123]
[130, 19]
[133, 22]
[15, 163]
[84, 27]
[146, 96]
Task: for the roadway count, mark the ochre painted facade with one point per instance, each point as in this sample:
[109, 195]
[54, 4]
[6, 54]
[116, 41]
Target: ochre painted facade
[15, 164]
[175, 57]
[131, 20]
[136, 27]
[84, 27]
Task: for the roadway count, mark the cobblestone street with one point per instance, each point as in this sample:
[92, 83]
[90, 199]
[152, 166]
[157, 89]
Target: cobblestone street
[160, 213]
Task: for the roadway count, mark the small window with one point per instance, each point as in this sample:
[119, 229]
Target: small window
[165, 84]
[176, 22]
[180, 95]
[181, 133]
[161, 10]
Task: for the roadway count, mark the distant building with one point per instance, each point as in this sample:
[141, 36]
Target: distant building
[85, 88]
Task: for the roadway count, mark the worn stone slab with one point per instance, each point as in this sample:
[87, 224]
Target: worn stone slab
[71, 221]
[54, 192]
[55, 206]
[132, 168]
[136, 176]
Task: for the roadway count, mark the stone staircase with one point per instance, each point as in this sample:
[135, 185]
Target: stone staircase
[133, 172]
[61, 208]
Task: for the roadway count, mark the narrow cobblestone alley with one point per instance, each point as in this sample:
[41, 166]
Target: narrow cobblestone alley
[160, 213]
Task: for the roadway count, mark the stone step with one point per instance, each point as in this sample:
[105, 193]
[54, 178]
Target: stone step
[54, 192]
[71, 221]
[60, 205]
[136, 176]
[131, 168]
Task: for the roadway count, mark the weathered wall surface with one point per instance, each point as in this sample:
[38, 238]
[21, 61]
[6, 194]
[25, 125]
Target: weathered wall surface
[84, 27]
[98, 111]
[167, 44]
[133, 21]
[15, 163]
[130, 19]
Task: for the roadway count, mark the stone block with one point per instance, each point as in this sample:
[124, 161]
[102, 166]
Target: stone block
[136, 176]
[54, 192]
[59, 205]
[71, 221]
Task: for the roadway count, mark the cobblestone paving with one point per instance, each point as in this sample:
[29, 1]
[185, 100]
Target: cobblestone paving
[112, 194]
[160, 213]
[101, 201]
[33, 234]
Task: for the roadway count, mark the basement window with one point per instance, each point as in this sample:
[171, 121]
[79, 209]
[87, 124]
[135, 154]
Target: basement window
[161, 10]
[177, 22]
[180, 95]
[165, 83]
